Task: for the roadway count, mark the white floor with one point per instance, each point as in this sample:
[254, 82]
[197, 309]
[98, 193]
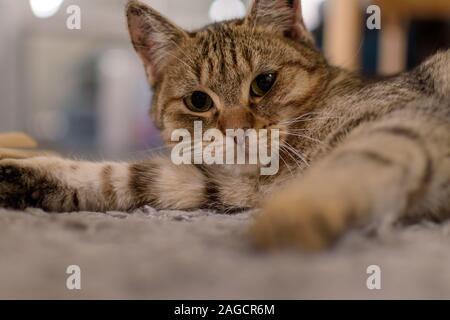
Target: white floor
[151, 254]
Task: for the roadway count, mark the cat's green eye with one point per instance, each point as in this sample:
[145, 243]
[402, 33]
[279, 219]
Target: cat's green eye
[262, 84]
[198, 101]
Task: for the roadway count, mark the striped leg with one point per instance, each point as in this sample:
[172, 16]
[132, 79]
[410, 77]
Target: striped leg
[399, 167]
[58, 185]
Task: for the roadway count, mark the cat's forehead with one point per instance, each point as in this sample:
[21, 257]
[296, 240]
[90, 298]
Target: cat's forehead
[223, 56]
[234, 45]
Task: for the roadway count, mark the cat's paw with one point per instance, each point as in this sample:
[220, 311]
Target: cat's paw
[20, 185]
[304, 218]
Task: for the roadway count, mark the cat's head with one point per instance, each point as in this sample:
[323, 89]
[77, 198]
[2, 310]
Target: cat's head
[257, 72]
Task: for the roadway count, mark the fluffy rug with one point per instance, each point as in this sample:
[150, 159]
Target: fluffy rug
[181, 255]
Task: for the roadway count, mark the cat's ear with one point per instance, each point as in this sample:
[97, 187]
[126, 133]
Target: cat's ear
[154, 37]
[280, 16]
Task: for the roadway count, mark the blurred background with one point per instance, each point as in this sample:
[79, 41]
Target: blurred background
[83, 92]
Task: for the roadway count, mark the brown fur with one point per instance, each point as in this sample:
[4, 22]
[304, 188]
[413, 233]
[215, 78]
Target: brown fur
[351, 151]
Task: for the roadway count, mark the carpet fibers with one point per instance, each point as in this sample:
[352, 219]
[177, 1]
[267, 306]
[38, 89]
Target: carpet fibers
[188, 255]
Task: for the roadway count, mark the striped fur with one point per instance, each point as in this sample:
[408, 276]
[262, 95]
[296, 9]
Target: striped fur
[352, 150]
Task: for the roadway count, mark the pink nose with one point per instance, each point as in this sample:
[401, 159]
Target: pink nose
[235, 118]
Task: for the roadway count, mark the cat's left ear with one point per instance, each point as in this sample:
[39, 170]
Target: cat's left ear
[154, 37]
[280, 16]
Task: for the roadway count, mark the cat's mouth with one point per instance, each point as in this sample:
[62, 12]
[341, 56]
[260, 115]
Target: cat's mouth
[241, 151]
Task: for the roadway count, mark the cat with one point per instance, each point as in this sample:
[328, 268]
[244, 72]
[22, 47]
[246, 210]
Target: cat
[350, 150]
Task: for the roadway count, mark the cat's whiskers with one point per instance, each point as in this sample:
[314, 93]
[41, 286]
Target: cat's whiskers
[304, 115]
[307, 114]
[296, 153]
[297, 130]
[287, 151]
[315, 116]
[302, 136]
[285, 163]
[294, 121]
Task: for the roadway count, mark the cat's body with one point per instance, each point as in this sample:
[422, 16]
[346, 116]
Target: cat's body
[350, 150]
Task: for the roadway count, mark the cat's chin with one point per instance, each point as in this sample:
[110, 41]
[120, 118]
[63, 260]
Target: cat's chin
[242, 169]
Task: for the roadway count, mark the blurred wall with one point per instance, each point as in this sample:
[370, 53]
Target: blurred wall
[63, 86]
[84, 92]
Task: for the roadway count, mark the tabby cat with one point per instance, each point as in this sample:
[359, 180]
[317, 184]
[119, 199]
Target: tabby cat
[351, 150]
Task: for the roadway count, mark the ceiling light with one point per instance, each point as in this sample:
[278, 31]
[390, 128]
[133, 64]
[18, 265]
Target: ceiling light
[45, 8]
[311, 13]
[222, 10]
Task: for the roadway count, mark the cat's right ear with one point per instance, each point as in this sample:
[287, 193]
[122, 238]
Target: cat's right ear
[282, 17]
[154, 38]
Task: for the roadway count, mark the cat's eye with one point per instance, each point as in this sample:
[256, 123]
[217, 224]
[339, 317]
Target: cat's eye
[198, 101]
[262, 84]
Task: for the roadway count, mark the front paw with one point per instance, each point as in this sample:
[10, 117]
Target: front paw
[20, 185]
[11, 172]
[304, 217]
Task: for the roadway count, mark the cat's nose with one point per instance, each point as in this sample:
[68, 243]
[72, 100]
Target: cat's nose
[235, 118]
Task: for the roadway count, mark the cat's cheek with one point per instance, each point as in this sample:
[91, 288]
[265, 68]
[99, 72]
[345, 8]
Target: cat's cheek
[299, 84]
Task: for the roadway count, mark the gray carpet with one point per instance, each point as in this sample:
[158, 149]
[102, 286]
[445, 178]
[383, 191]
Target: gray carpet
[172, 254]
